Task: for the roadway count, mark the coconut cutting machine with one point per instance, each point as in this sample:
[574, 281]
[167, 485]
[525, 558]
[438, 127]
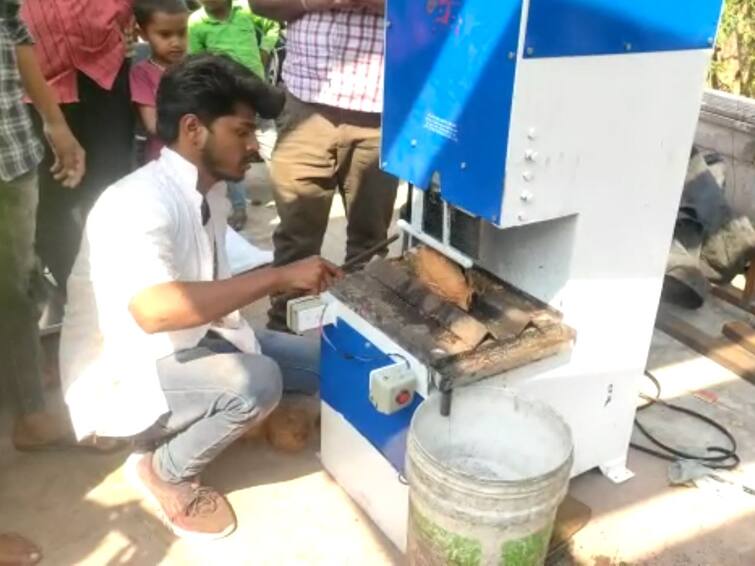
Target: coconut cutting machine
[544, 144]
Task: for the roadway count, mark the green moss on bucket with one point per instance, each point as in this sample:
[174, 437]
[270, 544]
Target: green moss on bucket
[527, 551]
[450, 548]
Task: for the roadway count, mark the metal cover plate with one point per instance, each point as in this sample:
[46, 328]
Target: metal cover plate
[449, 84]
[565, 28]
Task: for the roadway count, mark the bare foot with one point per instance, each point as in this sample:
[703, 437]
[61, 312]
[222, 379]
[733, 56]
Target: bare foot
[43, 431]
[15, 550]
[40, 430]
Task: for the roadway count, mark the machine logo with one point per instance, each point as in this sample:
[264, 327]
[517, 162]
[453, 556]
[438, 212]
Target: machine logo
[445, 10]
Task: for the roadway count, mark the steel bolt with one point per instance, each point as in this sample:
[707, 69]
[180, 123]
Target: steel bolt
[530, 50]
[628, 46]
[526, 196]
[512, 55]
[532, 133]
[521, 217]
[414, 143]
[530, 155]
[528, 176]
[463, 165]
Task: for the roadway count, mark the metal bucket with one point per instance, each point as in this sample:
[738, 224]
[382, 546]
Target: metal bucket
[485, 482]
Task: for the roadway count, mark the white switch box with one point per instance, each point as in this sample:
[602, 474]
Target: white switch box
[304, 313]
[392, 388]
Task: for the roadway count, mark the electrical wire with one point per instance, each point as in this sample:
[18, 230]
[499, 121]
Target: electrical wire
[718, 457]
[354, 357]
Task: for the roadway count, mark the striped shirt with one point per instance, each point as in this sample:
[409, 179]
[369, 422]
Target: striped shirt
[78, 35]
[336, 58]
[20, 150]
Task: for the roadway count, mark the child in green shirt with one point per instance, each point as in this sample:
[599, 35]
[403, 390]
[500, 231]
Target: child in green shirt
[229, 27]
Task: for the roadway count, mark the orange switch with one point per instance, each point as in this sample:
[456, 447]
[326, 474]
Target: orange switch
[404, 397]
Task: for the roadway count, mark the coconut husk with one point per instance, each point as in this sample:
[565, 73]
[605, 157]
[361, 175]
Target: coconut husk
[443, 277]
[289, 429]
[290, 426]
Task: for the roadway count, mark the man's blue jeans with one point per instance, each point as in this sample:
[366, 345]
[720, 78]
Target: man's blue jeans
[215, 393]
[237, 194]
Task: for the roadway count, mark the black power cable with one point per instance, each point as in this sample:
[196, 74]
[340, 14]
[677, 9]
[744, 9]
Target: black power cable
[718, 457]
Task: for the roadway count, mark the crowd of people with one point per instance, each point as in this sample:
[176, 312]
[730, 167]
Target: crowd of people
[153, 350]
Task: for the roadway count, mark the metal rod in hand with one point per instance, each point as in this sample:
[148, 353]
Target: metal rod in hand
[368, 253]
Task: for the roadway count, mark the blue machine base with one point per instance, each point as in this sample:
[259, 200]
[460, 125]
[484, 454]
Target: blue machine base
[347, 358]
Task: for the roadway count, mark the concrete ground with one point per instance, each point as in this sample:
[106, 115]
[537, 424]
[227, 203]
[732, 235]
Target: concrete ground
[80, 510]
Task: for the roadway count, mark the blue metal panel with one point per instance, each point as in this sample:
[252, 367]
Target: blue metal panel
[558, 28]
[448, 92]
[346, 360]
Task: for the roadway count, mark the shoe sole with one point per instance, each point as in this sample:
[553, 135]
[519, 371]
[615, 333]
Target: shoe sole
[132, 475]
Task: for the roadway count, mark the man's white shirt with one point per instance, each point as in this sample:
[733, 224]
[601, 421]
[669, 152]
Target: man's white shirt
[143, 231]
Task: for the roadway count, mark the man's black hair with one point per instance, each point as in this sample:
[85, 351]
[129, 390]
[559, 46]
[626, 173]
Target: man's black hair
[144, 9]
[211, 86]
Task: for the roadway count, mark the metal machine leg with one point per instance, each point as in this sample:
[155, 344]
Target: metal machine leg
[617, 471]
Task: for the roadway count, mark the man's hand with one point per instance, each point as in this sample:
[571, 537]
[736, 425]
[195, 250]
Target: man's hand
[69, 165]
[311, 276]
[130, 38]
[70, 159]
[374, 6]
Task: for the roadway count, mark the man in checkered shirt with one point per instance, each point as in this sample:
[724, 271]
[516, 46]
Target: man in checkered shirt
[329, 132]
[20, 152]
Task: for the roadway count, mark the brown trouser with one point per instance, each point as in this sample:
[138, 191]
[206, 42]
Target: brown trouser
[322, 150]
